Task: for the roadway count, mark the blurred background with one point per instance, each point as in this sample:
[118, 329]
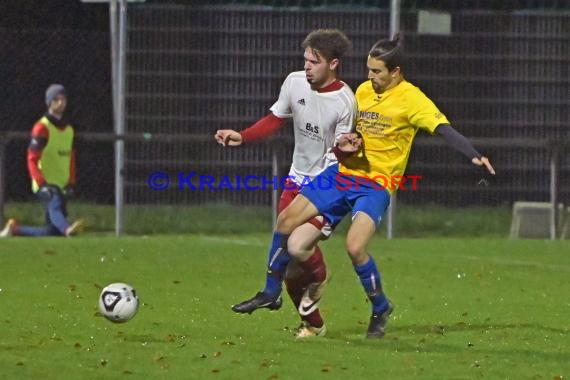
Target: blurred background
[497, 69]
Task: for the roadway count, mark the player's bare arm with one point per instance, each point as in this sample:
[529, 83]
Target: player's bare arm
[228, 137]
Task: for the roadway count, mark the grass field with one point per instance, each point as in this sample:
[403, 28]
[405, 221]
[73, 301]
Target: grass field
[222, 218]
[465, 309]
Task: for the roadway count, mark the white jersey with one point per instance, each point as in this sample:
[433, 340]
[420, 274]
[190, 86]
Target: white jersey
[318, 119]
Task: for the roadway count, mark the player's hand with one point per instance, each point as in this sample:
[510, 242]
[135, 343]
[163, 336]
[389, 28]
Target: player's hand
[228, 137]
[484, 161]
[349, 142]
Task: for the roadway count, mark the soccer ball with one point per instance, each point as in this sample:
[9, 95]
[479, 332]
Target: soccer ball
[118, 302]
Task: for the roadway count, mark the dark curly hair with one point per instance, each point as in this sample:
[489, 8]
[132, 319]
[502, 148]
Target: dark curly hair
[328, 43]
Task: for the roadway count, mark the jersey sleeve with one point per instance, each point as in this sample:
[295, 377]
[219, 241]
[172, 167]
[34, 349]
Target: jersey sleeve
[423, 113]
[38, 142]
[262, 129]
[282, 107]
[347, 119]
[73, 167]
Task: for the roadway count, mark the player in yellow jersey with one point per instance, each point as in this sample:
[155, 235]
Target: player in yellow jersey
[390, 113]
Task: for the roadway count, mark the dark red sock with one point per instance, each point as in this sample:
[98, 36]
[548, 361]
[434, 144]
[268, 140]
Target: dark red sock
[296, 287]
[314, 319]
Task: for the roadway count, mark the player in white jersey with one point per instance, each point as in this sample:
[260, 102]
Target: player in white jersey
[318, 118]
[322, 107]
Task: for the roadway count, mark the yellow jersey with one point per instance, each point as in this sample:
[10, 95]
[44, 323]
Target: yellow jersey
[388, 123]
[55, 162]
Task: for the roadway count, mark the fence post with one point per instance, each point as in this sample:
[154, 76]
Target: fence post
[2, 183]
[119, 98]
[395, 9]
[554, 158]
[275, 190]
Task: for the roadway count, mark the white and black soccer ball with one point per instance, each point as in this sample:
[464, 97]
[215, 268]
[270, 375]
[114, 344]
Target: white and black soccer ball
[118, 302]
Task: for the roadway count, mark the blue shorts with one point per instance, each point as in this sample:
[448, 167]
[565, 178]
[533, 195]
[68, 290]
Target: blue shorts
[335, 195]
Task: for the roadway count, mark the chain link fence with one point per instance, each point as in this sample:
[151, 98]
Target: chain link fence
[192, 70]
[498, 75]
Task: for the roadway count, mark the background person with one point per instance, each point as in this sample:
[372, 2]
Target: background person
[51, 165]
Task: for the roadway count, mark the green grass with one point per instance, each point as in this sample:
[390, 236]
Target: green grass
[465, 309]
[411, 221]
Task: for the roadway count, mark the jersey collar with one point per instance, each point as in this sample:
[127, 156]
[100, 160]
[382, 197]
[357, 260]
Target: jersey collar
[334, 86]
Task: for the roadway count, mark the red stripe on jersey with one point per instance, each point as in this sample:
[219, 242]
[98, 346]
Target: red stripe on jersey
[72, 168]
[334, 86]
[263, 128]
[35, 172]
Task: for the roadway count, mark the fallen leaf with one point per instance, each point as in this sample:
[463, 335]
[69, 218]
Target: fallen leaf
[438, 329]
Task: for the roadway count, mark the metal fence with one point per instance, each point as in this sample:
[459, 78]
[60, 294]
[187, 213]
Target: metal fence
[192, 70]
[498, 75]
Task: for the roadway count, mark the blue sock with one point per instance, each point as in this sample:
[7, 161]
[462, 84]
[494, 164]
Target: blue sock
[370, 280]
[277, 261]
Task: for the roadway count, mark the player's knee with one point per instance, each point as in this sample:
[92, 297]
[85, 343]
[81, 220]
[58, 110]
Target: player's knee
[352, 247]
[294, 248]
[356, 250]
[297, 249]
